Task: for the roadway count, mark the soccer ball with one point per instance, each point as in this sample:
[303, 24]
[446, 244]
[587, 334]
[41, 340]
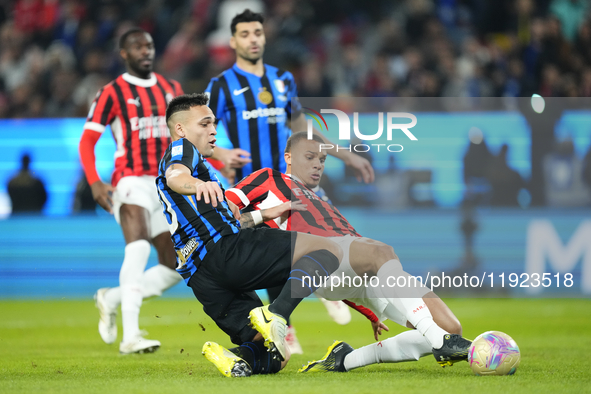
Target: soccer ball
[494, 353]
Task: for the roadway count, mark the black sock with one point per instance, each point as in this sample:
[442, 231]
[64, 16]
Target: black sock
[273, 293]
[304, 279]
[257, 356]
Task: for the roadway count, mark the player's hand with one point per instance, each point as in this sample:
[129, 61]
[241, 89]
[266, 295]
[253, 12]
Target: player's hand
[235, 210]
[361, 166]
[377, 328]
[280, 210]
[103, 195]
[236, 158]
[210, 191]
[229, 174]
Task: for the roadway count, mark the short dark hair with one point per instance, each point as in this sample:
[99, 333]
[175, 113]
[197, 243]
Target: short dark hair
[246, 16]
[185, 102]
[126, 35]
[297, 137]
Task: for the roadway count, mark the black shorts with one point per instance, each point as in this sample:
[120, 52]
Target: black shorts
[252, 259]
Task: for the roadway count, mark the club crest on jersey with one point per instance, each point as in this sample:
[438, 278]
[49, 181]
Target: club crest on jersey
[265, 96]
[280, 85]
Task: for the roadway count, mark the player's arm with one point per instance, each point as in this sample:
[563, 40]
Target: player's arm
[254, 218]
[180, 180]
[233, 158]
[362, 167]
[101, 113]
[376, 325]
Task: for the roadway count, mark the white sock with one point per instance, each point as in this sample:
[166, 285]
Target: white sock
[406, 346]
[158, 279]
[155, 281]
[130, 281]
[409, 301]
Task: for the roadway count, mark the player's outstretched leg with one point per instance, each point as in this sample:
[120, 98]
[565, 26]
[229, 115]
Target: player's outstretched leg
[333, 360]
[228, 363]
[107, 326]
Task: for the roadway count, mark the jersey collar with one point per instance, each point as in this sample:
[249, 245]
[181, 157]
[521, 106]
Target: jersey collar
[295, 178]
[246, 73]
[144, 83]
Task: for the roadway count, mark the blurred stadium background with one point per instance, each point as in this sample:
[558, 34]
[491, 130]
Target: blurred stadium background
[499, 190]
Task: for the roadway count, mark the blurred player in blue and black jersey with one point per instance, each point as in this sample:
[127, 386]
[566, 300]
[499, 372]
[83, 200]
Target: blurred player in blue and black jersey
[258, 105]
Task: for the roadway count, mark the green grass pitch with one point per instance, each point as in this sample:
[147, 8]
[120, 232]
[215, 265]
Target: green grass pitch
[54, 346]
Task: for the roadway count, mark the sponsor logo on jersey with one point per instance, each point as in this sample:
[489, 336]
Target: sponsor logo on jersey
[187, 250]
[150, 126]
[135, 101]
[238, 92]
[262, 112]
[304, 192]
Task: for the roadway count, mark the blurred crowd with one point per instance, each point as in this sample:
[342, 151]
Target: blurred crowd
[56, 54]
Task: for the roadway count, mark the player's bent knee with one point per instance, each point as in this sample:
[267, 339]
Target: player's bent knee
[386, 253]
[382, 253]
[336, 250]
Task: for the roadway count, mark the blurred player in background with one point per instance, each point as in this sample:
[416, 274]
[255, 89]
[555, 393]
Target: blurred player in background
[259, 107]
[134, 105]
[438, 331]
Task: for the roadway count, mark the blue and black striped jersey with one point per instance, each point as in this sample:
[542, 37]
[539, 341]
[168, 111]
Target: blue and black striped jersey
[255, 111]
[195, 226]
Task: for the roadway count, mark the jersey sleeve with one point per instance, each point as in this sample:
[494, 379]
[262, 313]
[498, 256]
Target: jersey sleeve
[182, 152]
[251, 189]
[363, 310]
[217, 98]
[178, 90]
[102, 111]
[294, 107]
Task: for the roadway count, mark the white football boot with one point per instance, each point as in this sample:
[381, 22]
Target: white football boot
[292, 341]
[107, 326]
[139, 345]
[338, 311]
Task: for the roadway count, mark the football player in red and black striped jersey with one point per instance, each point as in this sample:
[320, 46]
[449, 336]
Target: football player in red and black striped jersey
[437, 328]
[134, 106]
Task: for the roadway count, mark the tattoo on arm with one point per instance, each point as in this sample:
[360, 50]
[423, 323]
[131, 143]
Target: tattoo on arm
[246, 220]
[187, 186]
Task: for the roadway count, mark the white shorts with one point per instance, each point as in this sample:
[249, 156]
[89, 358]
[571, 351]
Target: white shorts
[142, 191]
[361, 295]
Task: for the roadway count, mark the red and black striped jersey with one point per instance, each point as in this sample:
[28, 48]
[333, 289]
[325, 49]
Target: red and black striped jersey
[267, 188]
[136, 110]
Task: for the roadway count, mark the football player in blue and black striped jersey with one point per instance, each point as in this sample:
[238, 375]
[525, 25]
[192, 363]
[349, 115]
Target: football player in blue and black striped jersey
[222, 263]
[258, 105]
